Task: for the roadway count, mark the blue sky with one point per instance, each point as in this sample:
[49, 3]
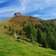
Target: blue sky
[43, 9]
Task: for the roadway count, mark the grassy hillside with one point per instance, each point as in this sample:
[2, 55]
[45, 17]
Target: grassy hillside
[10, 47]
[36, 30]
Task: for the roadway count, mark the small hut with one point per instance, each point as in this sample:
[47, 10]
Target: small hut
[18, 13]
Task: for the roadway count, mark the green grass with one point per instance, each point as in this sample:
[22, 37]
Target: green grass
[10, 47]
[2, 23]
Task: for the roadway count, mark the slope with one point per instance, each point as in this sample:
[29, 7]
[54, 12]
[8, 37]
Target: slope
[10, 47]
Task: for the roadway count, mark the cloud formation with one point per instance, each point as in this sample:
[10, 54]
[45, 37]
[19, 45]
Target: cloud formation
[45, 9]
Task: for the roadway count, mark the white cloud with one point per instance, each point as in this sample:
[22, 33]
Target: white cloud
[45, 17]
[36, 15]
[4, 10]
[30, 5]
[37, 4]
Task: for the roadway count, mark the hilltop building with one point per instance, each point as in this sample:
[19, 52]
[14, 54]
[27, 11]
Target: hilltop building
[18, 13]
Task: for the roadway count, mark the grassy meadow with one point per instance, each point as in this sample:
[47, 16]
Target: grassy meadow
[10, 47]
